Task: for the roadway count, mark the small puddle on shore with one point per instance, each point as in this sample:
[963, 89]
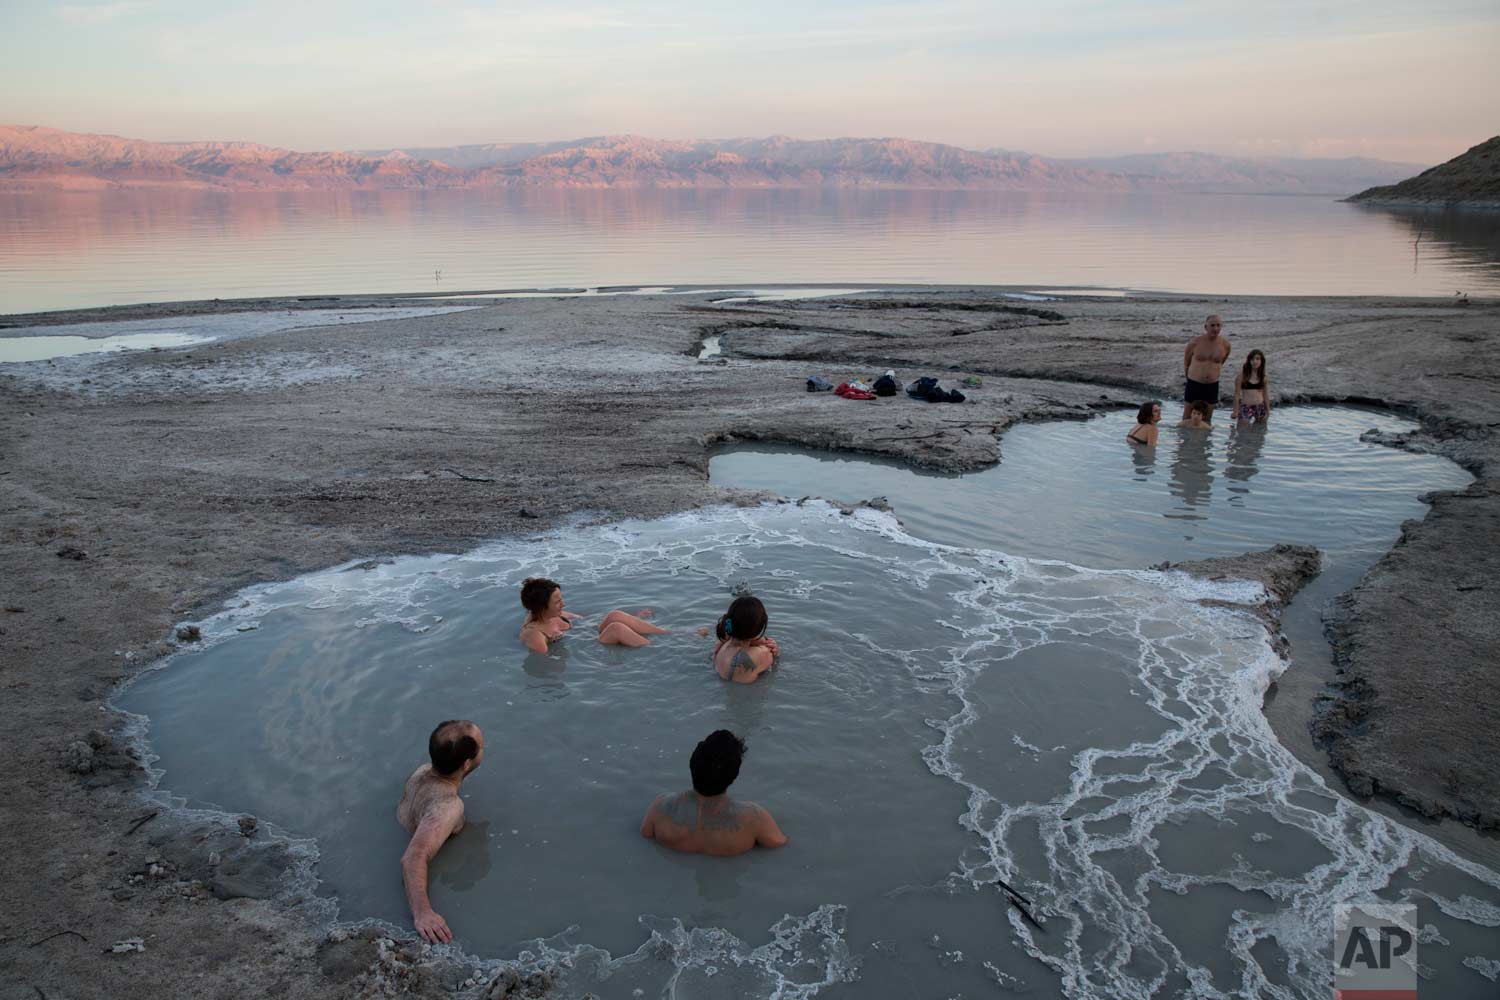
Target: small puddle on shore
[1101, 293]
[44, 343]
[787, 295]
[43, 348]
[1092, 736]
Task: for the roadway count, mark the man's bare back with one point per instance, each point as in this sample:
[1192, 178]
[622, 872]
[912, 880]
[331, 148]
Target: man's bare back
[716, 825]
[431, 812]
[427, 792]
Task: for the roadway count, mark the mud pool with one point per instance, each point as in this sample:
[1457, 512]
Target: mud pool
[956, 703]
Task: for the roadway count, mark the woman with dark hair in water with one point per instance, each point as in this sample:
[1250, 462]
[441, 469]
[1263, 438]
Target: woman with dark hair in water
[546, 621]
[744, 651]
[1144, 431]
[1252, 391]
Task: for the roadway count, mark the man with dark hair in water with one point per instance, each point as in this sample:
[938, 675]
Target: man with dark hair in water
[706, 820]
[431, 811]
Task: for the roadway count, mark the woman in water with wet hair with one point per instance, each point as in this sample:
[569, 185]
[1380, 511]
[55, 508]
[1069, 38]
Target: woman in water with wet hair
[1146, 419]
[547, 621]
[1252, 391]
[744, 651]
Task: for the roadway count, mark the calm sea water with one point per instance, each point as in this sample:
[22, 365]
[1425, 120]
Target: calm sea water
[945, 714]
[86, 249]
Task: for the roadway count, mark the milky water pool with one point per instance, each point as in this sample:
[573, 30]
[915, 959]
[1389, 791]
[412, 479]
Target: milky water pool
[944, 715]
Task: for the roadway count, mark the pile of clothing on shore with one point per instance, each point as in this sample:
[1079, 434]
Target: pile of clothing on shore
[926, 388]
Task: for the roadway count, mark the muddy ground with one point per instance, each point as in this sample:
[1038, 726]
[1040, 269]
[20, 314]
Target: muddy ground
[167, 480]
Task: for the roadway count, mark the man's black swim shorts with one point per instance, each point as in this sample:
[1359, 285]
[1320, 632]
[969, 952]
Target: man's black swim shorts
[1206, 391]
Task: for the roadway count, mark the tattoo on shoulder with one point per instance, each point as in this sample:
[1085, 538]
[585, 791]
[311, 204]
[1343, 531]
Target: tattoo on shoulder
[741, 661]
[678, 810]
[729, 817]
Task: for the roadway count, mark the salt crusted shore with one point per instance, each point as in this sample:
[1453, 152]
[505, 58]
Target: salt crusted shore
[167, 480]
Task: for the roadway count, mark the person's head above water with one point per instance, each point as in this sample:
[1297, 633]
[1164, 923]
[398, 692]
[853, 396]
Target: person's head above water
[1213, 325]
[746, 619]
[1255, 366]
[716, 762]
[1149, 413]
[540, 595]
[456, 747]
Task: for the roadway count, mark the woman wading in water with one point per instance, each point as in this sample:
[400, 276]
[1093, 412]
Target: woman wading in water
[1144, 431]
[546, 621]
[1252, 392]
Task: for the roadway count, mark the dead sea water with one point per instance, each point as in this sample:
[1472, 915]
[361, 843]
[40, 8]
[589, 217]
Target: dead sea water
[68, 250]
[947, 712]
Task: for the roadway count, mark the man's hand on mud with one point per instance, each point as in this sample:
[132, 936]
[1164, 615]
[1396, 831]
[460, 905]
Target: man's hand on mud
[432, 928]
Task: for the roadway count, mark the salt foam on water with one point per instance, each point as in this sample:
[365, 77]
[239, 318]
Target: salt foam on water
[1157, 806]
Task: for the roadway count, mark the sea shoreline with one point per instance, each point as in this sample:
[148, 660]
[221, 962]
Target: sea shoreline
[175, 478]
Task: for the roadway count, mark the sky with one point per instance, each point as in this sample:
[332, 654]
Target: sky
[1401, 81]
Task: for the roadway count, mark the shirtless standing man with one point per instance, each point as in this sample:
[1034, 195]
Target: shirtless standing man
[431, 811]
[1201, 363]
[705, 820]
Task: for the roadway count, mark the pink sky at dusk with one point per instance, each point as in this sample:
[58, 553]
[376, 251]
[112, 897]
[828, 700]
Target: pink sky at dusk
[1078, 78]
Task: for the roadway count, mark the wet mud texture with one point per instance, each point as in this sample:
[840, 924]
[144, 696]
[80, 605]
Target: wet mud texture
[170, 479]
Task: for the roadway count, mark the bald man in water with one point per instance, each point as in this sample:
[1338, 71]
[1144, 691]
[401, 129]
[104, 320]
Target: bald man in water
[431, 811]
[1202, 361]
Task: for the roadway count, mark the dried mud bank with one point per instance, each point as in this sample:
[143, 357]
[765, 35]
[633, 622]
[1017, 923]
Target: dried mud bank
[173, 478]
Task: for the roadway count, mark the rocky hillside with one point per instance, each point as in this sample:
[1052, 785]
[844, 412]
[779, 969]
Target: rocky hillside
[38, 158]
[1472, 178]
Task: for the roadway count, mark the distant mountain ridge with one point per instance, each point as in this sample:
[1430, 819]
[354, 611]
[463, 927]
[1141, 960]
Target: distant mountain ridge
[40, 158]
[1208, 173]
[1471, 178]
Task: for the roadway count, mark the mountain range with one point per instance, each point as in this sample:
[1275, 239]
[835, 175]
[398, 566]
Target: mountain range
[34, 158]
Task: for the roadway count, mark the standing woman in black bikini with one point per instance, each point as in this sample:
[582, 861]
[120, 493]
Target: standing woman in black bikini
[1252, 391]
[1146, 419]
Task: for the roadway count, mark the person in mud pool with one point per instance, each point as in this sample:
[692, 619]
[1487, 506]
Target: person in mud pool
[705, 820]
[547, 620]
[431, 812]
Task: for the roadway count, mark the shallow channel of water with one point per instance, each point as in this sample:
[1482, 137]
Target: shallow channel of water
[945, 714]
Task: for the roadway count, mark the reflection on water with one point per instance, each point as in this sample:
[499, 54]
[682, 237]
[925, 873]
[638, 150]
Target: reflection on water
[76, 249]
[467, 857]
[1197, 494]
[1467, 242]
[1192, 473]
[1245, 444]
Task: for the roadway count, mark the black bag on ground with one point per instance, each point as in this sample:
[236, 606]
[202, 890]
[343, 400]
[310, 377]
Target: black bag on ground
[920, 388]
[885, 385]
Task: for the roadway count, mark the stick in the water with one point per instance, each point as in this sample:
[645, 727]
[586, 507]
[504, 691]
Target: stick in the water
[1011, 889]
[1019, 901]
